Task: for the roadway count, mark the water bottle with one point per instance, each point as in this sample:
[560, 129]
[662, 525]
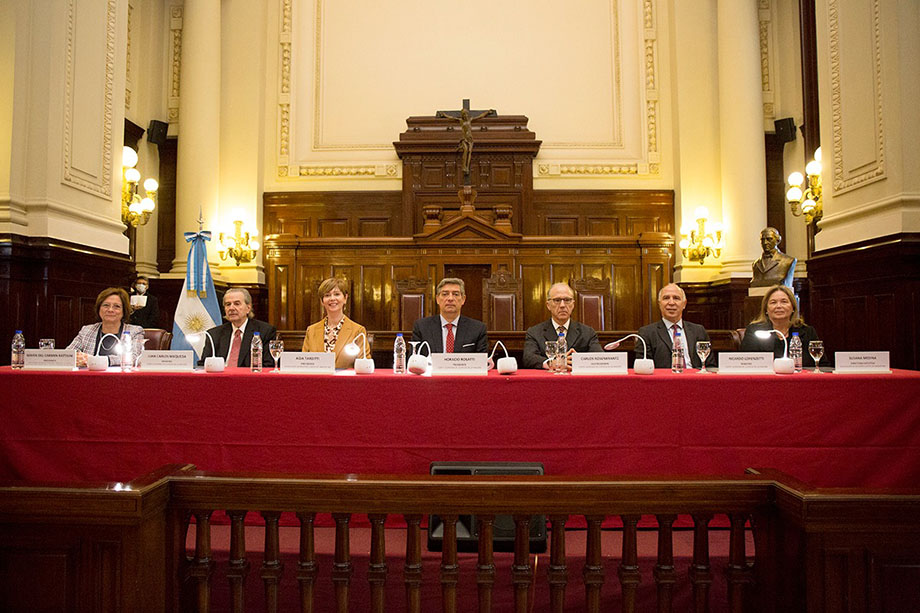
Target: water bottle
[795, 351]
[678, 361]
[18, 358]
[561, 358]
[127, 350]
[255, 355]
[399, 355]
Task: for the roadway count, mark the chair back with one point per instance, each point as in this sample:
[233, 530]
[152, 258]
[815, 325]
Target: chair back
[412, 301]
[157, 338]
[593, 307]
[502, 301]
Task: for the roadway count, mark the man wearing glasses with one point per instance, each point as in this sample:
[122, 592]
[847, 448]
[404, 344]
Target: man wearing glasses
[560, 300]
[449, 331]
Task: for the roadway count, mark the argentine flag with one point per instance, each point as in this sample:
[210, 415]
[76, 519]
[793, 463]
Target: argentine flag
[198, 309]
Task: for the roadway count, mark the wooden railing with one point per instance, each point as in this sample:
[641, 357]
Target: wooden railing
[820, 550]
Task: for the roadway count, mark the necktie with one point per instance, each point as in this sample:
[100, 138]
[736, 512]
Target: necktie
[449, 344]
[235, 348]
[560, 330]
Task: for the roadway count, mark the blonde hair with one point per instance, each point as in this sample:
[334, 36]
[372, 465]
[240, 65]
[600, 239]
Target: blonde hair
[794, 320]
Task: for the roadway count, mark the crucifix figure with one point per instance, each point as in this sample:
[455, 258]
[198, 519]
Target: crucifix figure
[466, 132]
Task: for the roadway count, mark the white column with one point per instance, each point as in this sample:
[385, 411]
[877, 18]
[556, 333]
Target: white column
[198, 164]
[744, 180]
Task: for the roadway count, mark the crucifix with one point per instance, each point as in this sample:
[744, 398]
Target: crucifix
[466, 117]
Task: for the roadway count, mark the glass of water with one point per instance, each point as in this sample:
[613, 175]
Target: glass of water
[46, 343]
[276, 348]
[551, 349]
[702, 350]
[816, 350]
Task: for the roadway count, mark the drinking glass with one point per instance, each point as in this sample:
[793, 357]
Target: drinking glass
[816, 350]
[551, 349]
[138, 350]
[276, 348]
[702, 350]
[46, 343]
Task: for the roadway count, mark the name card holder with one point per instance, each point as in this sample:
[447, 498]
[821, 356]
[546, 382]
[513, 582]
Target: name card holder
[600, 363]
[861, 362]
[155, 360]
[49, 359]
[308, 363]
[459, 364]
[746, 363]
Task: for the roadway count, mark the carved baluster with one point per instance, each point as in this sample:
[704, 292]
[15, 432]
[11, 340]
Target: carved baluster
[558, 573]
[412, 571]
[239, 565]
[307, 567]
[271, 560]
[485, 565]
[377, 569]
[739, 574]
[521, 571]
[178, 597]
[450, 571]
[201, 566]
[700, 571]
[665, 576]
[594, 564]
[341, 565]
[629, 564]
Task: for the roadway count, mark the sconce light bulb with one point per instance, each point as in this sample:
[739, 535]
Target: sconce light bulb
[684, 244]
[151, 185]
[254, 245]
[813, 168]
[808, 206]
[708, 242]
[796, 179]
[128, 157]
[794, 194]
[147, 205]
[701, 213]
[132, 175]
[135, 207]
[818, 154]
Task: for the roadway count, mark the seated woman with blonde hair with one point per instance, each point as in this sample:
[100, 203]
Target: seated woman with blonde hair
[779, 310]
[335, 330]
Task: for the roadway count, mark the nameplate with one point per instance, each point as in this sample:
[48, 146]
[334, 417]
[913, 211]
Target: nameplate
[168, 361]
[745, 363]
[308, 362]
[600, 363]
[49, 359]
[861, 361]
[459, 364]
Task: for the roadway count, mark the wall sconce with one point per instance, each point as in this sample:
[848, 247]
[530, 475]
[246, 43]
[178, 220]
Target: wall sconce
[696, 244]
[240, 246]
[812, 205]
[135, 211]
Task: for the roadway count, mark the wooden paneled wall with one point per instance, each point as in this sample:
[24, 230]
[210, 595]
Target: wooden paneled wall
[48, 288]
[623, 238]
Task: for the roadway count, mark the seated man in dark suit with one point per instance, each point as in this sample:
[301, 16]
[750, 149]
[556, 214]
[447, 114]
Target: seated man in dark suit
[449, 331]
[233, 339]
[560, 301]
[659, 335]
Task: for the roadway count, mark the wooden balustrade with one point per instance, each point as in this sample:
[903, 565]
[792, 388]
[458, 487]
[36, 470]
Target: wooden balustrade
[812, 547]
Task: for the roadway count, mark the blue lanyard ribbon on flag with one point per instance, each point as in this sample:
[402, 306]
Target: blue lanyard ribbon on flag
[196, 271]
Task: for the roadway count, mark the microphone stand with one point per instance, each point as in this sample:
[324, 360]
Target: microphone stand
[642, 366]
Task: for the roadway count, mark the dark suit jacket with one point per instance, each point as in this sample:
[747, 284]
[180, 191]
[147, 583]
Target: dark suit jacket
[469, 337]
[149, 316]
[658, 338]
[750, 342]
[222, 336]
[580, 337]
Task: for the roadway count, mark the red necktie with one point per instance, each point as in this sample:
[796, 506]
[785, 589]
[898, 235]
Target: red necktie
[450, 338]
[235, 348]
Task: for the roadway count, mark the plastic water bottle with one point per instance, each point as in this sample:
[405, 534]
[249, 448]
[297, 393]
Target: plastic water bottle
[561, 358]
[127, 348]
[678, 361]
[18, 358]
[255, 355]
[399, 355]
[795, 351]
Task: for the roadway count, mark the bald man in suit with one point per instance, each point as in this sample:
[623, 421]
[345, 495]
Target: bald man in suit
[659, 336]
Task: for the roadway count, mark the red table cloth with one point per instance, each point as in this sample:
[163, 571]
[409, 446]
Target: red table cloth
[826, 429]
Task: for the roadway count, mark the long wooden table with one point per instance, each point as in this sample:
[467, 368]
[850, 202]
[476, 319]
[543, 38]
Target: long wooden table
[826, 429]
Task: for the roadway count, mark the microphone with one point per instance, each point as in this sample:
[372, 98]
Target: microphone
[506, 365]
[363, 366]
[419, 364]
[640, 367]
[784, 365]
[101, 362]
[215, 363]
